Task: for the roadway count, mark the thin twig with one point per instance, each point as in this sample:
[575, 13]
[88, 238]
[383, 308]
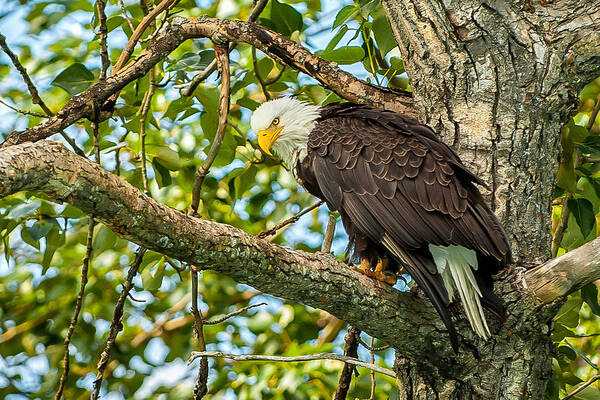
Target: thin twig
[96, 132]
[585, 358]
[273, 231]
[329, 233]
[233, 314]
[308, 357]
[371, 348]
[210, 68]
[25, 112]
[594, 114]
[583, 386]
[559, 232]
[78, 306]
[143, 116]
[272, 80]
[103, 33]
[139, 31]
[350, 351]
[124, 11]
[222, 56]
[372, 374]
[261, 82]
[35, 96]
[116, 323]
[201, 386]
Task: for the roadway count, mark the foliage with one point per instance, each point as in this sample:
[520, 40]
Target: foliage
[43, 243]
[576, 324]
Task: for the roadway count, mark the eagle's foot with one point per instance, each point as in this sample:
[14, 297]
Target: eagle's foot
[378, 273]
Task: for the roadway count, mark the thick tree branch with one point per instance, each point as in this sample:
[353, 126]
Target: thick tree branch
[560, 276]
[400, 319]
[318, 280]
[269, 42]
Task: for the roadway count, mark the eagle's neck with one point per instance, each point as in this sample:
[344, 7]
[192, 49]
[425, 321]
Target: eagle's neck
[291, 146]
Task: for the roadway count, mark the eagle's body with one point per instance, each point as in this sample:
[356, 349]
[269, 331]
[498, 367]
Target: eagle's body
[403, 197]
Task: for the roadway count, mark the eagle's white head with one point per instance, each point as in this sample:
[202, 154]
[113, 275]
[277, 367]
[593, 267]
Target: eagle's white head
[282, 126]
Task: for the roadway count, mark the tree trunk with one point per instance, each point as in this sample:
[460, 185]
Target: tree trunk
[498, 80]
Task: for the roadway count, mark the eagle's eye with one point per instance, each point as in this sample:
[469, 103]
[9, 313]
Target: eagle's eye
[275, 122]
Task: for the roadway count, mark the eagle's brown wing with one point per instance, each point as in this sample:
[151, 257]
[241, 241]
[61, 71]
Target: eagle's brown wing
[402, 187]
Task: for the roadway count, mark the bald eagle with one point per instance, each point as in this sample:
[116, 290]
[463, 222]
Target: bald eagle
[405, 199]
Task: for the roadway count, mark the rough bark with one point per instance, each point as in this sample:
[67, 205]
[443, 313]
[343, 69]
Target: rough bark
[497, 80]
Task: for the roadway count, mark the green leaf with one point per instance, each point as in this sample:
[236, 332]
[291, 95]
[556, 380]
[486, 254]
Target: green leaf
[40, 229]
[583, 211]
[152, 277]
[54, 240]
[398, 64]
[552, 389]
[568, 315]
[104, 239]
[343, 55]
[285, 18]
[168, 158]
[336, 39]
[163, 177]
[383, 34]
[589, 294]
[589, 393]
[208, 95]
[74, 79]
[24, 210]
[193, 61]
[113, 23]
[343, 15]
[367, 7]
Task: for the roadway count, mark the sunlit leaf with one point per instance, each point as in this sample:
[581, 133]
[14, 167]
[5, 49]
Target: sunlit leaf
[74, 79]
[343, 55]
[583, 211]
[589, 294]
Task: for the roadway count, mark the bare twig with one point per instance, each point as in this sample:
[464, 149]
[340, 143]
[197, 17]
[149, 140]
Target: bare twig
[35, 96]
[201, 386]
[146, 102]
[329, 233]
[103, 32]
[594, 114]
[273, 231]
[350, 351]
[233, 314]
[222, 56]
[210, 68]
[372, 374]
[116, 322]
[25, 112]
[559, 232]
[371, 348]
[124, 11]
[139, 31]
[308, 357]
[78, 306]
[261, 82]
[582, 386]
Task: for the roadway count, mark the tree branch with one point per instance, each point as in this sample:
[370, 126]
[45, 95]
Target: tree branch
[276, 46]
[560, 276]
[308, 357]
[317, 280]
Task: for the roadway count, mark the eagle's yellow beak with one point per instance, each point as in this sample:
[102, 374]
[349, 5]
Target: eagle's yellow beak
[267, 137]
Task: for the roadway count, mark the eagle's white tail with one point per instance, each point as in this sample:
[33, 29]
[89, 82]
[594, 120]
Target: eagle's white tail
[456, 264]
